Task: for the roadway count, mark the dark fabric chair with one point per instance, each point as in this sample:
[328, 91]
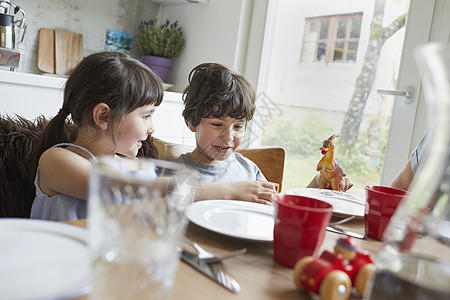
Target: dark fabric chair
[18, 139]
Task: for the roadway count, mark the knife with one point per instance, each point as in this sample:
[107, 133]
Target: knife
[210, 271]
[349, 233]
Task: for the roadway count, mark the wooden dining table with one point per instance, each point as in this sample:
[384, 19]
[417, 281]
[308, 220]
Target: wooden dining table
[259, 276]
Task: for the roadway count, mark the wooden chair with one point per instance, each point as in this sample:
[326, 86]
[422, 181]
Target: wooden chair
[269, 160]
[170, 151]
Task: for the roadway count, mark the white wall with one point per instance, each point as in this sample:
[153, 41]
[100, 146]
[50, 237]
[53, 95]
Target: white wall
[229, 32]
[211, 35]
[89, 18]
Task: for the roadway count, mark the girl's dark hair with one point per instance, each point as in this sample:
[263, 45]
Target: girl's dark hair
[113, 78]
[215, 91]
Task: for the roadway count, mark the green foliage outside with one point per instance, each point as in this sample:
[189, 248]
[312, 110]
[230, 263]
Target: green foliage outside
[164, 40]
[302, 137]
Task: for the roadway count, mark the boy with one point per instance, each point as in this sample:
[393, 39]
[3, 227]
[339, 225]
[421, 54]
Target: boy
[218, 105]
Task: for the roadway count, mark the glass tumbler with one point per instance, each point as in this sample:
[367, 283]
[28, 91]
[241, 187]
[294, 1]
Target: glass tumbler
[136, 221]
[414, 262]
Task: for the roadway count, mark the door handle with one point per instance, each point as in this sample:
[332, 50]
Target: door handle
[408, 94]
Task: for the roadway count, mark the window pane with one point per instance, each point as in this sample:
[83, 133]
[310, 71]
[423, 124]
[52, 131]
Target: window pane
[355, 28]
[338, 51]
[311, 36]
[352, 51]
[308, 52]
[311, 31]
[321, 51]
[341, 28]
[324, 29]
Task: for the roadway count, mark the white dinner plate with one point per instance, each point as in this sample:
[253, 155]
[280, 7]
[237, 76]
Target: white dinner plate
[240, 219]
[42, 260]
[347, 203]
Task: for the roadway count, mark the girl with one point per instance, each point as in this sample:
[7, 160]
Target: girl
[111, 99]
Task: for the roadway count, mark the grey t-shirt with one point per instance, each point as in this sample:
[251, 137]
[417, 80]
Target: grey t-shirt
[235, 168]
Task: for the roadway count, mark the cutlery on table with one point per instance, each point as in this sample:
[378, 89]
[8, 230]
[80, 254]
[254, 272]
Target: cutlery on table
[342, 221]
[213, 273]
[346, 232]
[210, 258]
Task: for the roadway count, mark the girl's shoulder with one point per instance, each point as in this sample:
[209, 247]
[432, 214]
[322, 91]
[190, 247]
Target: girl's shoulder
[57, 151]
[68, 150]
[64, 171]
[63, 157]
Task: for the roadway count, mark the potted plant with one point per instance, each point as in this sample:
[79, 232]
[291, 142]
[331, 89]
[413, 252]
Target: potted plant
[160, 44]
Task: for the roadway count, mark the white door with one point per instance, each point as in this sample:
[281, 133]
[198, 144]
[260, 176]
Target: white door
[425, 22]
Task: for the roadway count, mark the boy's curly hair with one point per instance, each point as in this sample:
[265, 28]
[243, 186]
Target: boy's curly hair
[215, 91]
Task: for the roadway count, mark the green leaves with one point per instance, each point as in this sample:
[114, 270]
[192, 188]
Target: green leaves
[165, 40]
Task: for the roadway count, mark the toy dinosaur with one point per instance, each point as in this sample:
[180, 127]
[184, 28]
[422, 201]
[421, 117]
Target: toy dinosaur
[331, 173]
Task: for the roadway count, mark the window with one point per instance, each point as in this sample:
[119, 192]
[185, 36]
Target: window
[331, 38]
[303, 104]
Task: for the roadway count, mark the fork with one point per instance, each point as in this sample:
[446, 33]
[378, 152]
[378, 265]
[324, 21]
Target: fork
[210, 258]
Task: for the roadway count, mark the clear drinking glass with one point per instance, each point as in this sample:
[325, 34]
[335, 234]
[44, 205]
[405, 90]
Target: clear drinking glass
[136, 221]
[415, 260]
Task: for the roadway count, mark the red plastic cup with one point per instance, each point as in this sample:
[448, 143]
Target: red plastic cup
[381, 203]
[300, 226]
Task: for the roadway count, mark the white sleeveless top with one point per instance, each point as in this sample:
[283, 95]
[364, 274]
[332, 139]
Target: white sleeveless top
[59, 207]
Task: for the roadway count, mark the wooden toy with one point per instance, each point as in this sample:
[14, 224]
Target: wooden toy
[332, 274]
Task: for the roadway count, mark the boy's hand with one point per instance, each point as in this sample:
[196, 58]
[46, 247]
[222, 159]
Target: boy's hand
[252, 191]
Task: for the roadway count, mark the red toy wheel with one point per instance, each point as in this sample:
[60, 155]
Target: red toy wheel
[298, 269]
[363, 277]
[335, 286]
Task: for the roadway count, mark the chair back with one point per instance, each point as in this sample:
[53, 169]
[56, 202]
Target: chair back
[269, 160]
[18, 138]
[169, 151]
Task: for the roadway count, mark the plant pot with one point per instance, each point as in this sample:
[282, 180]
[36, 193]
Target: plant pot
[160, 65]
